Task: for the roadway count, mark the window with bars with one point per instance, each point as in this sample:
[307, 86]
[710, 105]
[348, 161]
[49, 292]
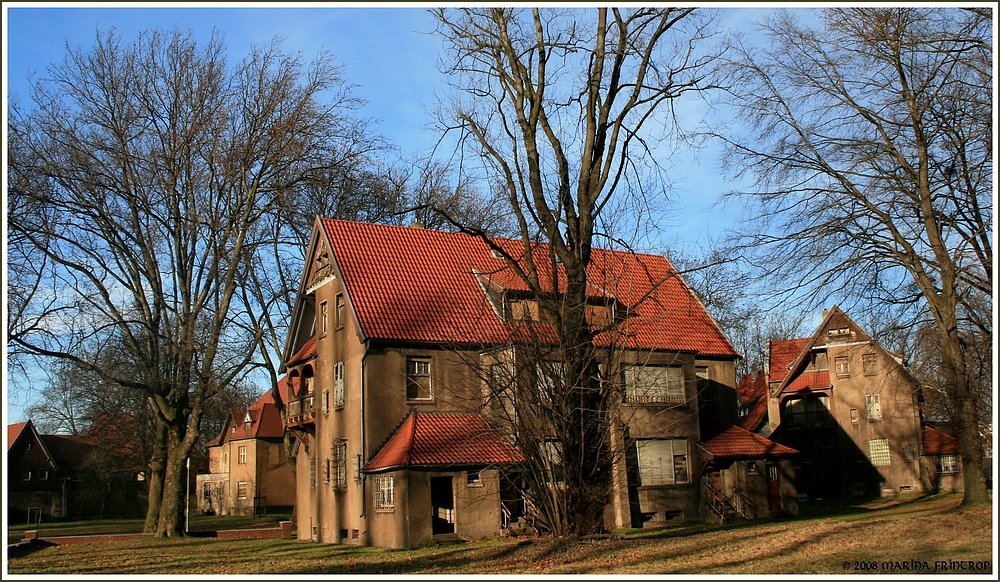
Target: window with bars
[382, 493]
[878, 452]
[340, 464]
[663, 461]
[654, 384]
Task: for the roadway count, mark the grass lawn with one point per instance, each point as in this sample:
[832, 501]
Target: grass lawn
[878, 538]
[198, 523]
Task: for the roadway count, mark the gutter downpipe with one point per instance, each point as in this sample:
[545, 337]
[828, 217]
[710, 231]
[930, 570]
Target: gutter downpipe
[364, 454]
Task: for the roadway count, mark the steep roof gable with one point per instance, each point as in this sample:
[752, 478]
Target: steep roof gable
[781, 354]
[836, 327]
[422, 285]
[753, 394]
[14, 432]
[441, 439]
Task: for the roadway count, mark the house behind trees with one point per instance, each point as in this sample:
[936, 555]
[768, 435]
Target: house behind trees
[402, 437]
[853, 411]
[56, 476]
[248, 471]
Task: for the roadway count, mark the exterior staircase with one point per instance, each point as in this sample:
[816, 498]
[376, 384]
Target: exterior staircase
[725, 507]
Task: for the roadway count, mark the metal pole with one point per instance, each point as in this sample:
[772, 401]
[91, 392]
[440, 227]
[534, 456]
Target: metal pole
[187, 498]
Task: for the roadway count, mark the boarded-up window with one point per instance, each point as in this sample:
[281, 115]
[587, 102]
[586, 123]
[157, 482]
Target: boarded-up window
[418, 379]
[663, 462]
[654, 384]
[842, 366]
[874, 406]
[868, 361]
[241, 490]
[338, 384]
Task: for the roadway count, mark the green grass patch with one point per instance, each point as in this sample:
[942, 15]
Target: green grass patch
[891, 534]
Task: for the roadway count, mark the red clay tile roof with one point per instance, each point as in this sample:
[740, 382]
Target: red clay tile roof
[440, 439]
[816, 380]
[13, 432]
[420, 285]
[268, 396]
[937, 442]
[732, 442]
[307, 351]
[783, 353]
[753, 393]
[265, 422]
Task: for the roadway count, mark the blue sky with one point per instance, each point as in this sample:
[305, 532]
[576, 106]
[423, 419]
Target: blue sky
[388, 51]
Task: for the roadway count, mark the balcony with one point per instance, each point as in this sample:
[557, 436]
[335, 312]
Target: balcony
[301, 411]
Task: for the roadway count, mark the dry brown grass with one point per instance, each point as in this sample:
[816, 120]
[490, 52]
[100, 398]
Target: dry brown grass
[891, 535]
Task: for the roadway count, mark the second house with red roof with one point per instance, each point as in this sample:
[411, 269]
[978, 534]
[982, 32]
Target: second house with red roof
[396, 335]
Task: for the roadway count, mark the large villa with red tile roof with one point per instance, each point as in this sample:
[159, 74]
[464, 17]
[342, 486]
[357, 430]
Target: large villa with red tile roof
[394, 445]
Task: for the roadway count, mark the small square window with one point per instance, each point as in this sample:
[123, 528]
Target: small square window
[473, 479]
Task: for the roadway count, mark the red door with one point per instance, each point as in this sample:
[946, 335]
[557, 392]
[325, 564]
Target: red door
[773, 488]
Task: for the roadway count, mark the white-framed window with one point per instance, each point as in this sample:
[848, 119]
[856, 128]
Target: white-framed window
[947, 463]
[382, 493]
[338, 384]
[878, 452]
[868, 363]
[873, 406]
[324, 318]
[418, 379]
[340, 310]
[242, 459]
[842, 366]
[473, 479]
[654, 384]
[663, 461]
[340, 464]
[241, 490]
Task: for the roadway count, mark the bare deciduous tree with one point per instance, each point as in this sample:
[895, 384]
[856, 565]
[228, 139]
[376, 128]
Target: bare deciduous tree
[155, 163]
[870, 140]
[563, 110]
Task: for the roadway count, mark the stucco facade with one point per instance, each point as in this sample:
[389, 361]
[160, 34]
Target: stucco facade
[394, 335]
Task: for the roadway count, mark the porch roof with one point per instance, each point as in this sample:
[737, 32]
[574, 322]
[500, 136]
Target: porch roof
[440, 439]
[732, 442]
[937, 442]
